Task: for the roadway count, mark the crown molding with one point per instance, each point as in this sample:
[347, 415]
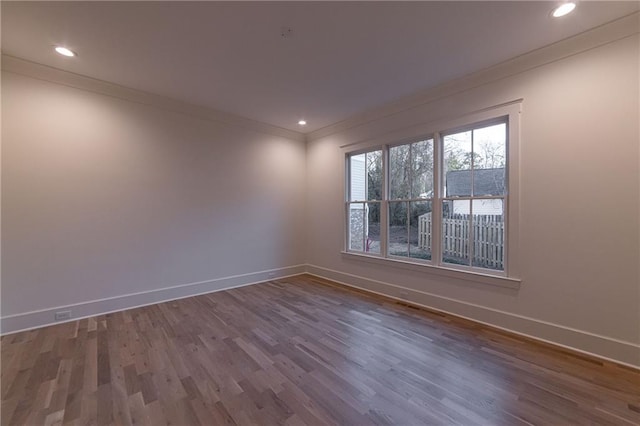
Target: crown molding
[596, 37]
[54, 75]
[613, 31]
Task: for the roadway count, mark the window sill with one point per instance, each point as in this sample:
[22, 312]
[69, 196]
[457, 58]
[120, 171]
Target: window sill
[475, 277]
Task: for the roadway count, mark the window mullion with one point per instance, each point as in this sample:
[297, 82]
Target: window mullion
[436, 205]
[384, 204]
[408, 219]
[473, 193]
[347, 212]
[347, 227]
[471, 238]
[364, 227]
[410, 194]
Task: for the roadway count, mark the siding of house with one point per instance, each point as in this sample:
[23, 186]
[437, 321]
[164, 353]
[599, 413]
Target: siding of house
[358, 179]
[480, 207]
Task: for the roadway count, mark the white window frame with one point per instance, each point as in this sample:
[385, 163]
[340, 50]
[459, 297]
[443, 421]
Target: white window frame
[442, 198]
[365, 201]
[509, 276]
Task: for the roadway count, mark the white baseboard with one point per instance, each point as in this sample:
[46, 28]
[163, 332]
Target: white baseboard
[610, 349]
[43, 317]
[606, 348]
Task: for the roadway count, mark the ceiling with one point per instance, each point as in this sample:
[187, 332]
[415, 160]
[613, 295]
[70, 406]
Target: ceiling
[342, 58]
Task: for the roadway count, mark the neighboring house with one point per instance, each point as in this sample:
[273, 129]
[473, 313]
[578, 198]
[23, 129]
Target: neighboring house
[358, 178]
[486, 182]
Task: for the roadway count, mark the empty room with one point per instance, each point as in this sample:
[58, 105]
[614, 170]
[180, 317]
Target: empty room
[320, 213]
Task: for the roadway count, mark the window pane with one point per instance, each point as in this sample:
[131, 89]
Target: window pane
[357, 178]
[455, 232]
[457, 164]
[374, 175]
[489, 147]
[488, 234]
[420, 229]
[422, 169]
[399, 169]
[372, 241]
[398, 232]
[356, 226]
[365, 179]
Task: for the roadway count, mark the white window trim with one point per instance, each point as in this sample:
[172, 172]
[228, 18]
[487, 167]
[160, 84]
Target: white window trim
[507, 278]
[474, 276]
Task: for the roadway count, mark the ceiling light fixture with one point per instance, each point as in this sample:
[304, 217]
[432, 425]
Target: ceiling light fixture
[302, 122]
[64, 51]
[563, 9]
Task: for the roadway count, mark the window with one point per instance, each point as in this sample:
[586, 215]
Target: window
[410, 199]
[474, 191]
[363, 205]
[439, 200]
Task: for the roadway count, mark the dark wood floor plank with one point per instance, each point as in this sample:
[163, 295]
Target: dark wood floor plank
[299, 351]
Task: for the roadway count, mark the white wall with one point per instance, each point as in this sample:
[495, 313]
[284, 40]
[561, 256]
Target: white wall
[108, 204]
[579, 200]
[104, 197]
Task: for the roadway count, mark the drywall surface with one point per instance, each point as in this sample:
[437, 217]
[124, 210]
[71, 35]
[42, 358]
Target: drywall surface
[579, 204]
[103, 197]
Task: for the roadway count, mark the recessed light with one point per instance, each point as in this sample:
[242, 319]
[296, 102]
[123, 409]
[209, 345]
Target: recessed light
[563, 9]
[302, 122]
[64, 51]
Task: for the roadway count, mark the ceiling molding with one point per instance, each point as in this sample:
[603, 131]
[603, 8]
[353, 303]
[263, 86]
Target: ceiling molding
[613, 31]
[616, 30]
[54, 75]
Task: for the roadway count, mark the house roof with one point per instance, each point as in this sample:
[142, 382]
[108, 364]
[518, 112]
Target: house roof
[486, 182]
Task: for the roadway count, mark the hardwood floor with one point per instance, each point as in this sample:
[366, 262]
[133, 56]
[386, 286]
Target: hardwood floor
[298, 351]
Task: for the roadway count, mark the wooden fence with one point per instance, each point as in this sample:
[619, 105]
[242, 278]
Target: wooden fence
[488, 239]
